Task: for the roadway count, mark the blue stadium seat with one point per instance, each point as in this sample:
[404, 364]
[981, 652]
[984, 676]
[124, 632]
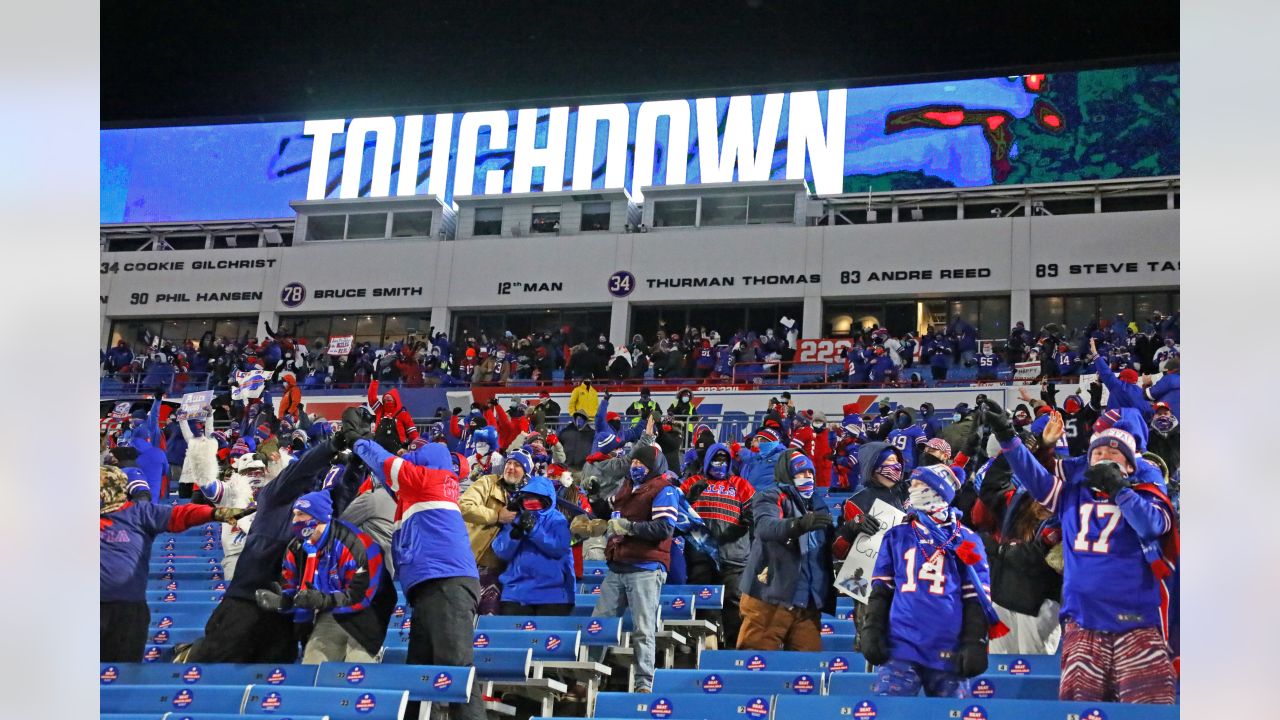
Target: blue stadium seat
[165, 618]
[738, 682]
[157, 654]
[677, 607]
[678, 706]
[425, 683]
[338, 703]
[174, 635]
[191, 607]
[170, 697]
[187, 584]
[836, 643]
[843, 707]
[205, 674]
[590, 585]
[708, 597]
[1027, 687]
[828, 662]
[172, 596]
[837, 627]
[498, 664]
[592, 631]
[548, 645]
[1024, 665]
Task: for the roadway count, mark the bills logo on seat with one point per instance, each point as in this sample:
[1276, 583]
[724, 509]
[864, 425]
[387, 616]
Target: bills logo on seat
[407, 624]
[712, 684]
[365, 703]
[442, 682]
[529, 625]
[172, 585]
[276, 676]
[399, 611]
[192, 674]
[705, 593]
[974, 712]
[661, 708]
[167, 576]
[758, 707]
[166, 622]
[481, 641]
[865, 710]
[1019, 667]
[983, 689]
[756, 662]
[802, 685]
[827, 629]
[838, 664]
[213, 561]
[355, 674]
[170, 597]
[220, 586]
[1093, 714]
[109, 675]
[161, 637]
[183, 698]
[271, 701]
[597, 571]
[152, 654]
[678, 603]
[595, 590]
[595, 628]
[215, 575]
[553, 642]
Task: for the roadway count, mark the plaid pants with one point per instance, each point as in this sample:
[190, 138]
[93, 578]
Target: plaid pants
[1128, 667]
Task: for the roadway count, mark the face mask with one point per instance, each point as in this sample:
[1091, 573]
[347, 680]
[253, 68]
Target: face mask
[925, 499]
[531, 503]
[638, 472]
[890, 471]
[718, 469]
[303, 530]
[566, 480]
[805, 486]
[579, 422]
[956, 417]
[1164, 423]
[482, 448]
[926, 460]
[817, 426]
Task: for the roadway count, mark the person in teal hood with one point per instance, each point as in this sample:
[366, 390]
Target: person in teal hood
[539, 578]
[759, 460]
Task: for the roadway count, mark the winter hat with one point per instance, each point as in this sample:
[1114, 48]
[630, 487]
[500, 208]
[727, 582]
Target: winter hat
[940, 479]
[940, 446]
[317, 504]
[1072, 404]
[522, 456]
[112, 489]
[262, 432]
[1129, 375]
[417, 443]
[239, 449]
[246, 462]
[648, 456]
[1106, 420]
[798, 463]
[1116, 438]
[767, 435]
[137, 481]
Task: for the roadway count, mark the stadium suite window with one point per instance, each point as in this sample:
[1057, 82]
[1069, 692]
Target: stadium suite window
[411, 224]
[366, 226]
[595, 216]
[326, 227]
[675, 213]
[769, 209]
[730, 210]
[488, 221]
[546, 219]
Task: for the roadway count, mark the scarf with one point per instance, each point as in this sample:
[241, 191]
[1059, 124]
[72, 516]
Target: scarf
[967, 557]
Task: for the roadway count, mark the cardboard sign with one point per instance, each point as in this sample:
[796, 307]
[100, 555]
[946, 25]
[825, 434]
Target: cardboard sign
[341, 344]
[1026, 370]
[195, 404]
[854, 579]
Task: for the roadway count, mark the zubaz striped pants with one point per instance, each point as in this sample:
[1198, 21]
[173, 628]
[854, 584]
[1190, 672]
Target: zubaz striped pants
[1129, 667]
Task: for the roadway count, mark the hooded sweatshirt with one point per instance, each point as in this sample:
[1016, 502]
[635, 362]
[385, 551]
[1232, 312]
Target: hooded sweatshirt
[870, 489]
[539, 564]
[389, 406]
[725, 506]
[758, 465]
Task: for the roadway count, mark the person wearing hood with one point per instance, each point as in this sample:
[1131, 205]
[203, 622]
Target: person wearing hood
[486, 460]
[291, 399]
[669, 439]
[1078, 418]
[486, 508]
[391, 419]
[723, 500]
[638, 550]
[1123, 388]
[175, 451]
[693, 459]
[930, 608]
[611, 433]
[907, 437]
[126, 533]
[760, 458]
[151, 460]
[927, 420]
[584, 398]
[1165, 438]
[578, 440]
[539, 579]
[1120, 545]
[332, 577]
[684, 412]
[812, 437]
[962, 432]
[1168, 389]
[434, 563]
[787, 581]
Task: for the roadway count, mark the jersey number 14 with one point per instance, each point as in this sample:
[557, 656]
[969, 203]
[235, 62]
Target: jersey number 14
[930, 572]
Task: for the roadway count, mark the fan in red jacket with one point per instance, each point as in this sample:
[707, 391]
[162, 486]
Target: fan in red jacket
[498, 418]
[814, 440]
[389, 406]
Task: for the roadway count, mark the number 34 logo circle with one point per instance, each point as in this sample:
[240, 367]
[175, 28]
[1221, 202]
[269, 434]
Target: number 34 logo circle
[621, 283]
[293, 295]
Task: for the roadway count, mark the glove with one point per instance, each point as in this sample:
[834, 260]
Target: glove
[995, 418]
[584, 526]
[457, 411]
[863, 524]
[808, 522]
[354, 427]
[273, 600]
[873, 638]
[607, 395]
[619, 526]
[1106, 477]
[971, 661]
[1095, 393]
[527, 521]
[230, 515]
[695, 490]
[312, 599]
[552, 439]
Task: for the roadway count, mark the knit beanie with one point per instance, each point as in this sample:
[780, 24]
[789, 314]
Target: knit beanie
[1116, 438]
[318, 505]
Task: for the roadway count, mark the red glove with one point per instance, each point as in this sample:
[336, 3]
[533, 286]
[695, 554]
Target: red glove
[553, 439]
[597, 457]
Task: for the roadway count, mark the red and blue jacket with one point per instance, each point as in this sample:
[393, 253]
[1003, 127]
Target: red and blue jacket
[344, 560]
[125, 538]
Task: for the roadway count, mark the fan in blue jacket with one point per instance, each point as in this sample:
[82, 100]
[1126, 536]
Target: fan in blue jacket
[539, 578]
[611, 434]
[1124, 389]
[759, 460]
[151, 459]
